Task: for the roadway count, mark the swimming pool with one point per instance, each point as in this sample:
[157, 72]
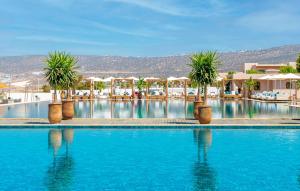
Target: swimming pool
[115, 159]
[156, 109]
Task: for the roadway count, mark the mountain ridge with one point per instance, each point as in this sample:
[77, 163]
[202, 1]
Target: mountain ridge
[161, 66]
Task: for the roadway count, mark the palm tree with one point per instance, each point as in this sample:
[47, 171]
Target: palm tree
[298, 63]
[54, 71]
[100, 86]
[250, 84]
[70, 73]
[141, 84]
[61, 71]
[204, 70]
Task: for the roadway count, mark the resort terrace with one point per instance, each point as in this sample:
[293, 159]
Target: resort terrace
[133, 101]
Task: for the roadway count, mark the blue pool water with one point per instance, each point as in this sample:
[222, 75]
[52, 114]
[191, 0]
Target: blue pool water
[94, 159]
[156, 109]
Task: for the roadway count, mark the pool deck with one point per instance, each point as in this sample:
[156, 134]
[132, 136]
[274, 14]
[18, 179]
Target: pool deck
[160, 122]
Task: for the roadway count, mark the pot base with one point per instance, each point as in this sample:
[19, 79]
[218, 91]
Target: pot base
[67, 109]
[205, 114]
[54, 113]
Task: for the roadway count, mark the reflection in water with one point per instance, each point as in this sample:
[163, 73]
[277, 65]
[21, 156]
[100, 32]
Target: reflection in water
[173, 108]
[181, 109]
[54, 140]
[60, 173]
[140, 113]
[204, 175]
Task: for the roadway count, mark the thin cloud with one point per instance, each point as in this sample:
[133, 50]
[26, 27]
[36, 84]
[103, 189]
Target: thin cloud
[154, 6]
[53, 39]
[270, 21]
[136, 32]
[212, 7]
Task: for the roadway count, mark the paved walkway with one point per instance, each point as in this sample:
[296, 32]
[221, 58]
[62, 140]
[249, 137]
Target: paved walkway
[153, 122]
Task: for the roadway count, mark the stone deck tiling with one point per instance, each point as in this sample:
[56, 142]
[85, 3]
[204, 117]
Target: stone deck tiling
[153, 122]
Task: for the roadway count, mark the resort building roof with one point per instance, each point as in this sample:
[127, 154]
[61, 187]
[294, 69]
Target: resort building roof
[267, 68]
[241, 76]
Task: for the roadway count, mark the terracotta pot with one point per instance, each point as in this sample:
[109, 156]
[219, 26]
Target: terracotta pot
[205, 114]
[197, 104]
[67, 109]
[54, 113]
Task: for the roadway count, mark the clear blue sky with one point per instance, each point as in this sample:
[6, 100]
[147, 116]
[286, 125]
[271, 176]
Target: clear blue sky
[145, 27]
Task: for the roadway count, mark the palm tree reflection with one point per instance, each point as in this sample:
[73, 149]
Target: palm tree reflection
[204, 175]
[60, 173]
[139, 109]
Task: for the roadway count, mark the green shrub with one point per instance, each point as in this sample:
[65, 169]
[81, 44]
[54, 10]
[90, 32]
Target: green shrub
[253, 71]
[287, 69]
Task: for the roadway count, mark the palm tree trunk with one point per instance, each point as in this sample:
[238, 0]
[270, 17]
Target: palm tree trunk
[198, 94]
[55, 96]
[205, 94]
[68, 94]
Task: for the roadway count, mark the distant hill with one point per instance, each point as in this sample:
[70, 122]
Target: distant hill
[103, 66]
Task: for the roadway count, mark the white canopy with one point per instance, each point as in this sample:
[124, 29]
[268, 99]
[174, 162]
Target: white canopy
[172, 78]
[267, 77]
[292, 76]
[151, 78]
[279, 77]
[94, 79]
[289, 76]
[107, 79]
[133, 78]
[184, 78]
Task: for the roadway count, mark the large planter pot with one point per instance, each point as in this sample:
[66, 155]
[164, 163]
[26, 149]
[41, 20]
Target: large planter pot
[197, 104]
[205, 114]
[67, 109]
[54, 113]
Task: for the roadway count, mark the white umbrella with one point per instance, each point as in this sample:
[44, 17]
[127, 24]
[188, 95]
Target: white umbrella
[279, 77]
[133, 78]
[183, 78]
[291, 77]
[267, 77]
[172, 78]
